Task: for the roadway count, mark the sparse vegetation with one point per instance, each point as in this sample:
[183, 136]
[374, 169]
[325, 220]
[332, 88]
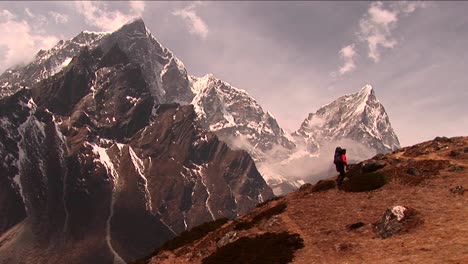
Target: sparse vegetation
[244, 225]
[268, 248]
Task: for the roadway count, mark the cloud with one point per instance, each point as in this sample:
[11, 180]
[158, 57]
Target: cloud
[23, 39]
[408, 7]
[98, 14]
[38, 21]
[59, 18]
[375, 31]
[196, 24]
[348, 54]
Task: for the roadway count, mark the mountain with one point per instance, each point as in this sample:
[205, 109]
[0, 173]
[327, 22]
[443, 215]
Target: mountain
[47, 63]
[389, 207]
[285, 161]
[357, 122]
[360, 117]
[229, 112]
[164, 73]
[239, 120]
[236, 117]
[104, 160]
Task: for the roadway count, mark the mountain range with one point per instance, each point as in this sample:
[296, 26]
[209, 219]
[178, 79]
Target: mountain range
[106, 140]
[100, 165]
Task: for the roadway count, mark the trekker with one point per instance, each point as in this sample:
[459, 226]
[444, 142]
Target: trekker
[340, 163]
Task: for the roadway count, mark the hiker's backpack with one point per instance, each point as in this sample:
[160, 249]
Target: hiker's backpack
[337, 158]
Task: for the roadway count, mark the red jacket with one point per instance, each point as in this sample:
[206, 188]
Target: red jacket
[343, 158]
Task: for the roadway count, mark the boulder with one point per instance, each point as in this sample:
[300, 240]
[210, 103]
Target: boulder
[412, 171]
[372, 165]
[228, 238]
[323, 185]
[397, 219]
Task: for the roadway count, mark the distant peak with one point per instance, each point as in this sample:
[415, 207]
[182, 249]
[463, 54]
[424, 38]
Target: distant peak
[136, 21]
[209, 76]
[135, 24]
[367, 89]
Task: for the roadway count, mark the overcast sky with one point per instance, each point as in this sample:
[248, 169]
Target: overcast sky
[292, 57]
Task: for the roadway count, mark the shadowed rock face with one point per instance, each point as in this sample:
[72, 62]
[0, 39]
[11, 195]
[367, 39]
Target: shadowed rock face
[95, 171]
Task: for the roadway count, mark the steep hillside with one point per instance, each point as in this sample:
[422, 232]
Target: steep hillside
[409, 206]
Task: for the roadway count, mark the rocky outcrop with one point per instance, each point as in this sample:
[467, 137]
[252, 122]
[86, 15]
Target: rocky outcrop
[397, 219]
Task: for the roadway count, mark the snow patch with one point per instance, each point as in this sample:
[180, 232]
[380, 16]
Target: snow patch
[202, 179]
[140, 168]
[106, 161]
[399, 211]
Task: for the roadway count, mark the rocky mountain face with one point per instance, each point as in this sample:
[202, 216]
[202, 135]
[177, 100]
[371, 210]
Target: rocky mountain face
[239, 120]
[236, 117]
[360, 117]
[100, 162]
[388, 208]
[164, 74]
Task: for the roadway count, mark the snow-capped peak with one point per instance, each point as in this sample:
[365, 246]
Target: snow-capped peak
[359, 116]
[367, 89]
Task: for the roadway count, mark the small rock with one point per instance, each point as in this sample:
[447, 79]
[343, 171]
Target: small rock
[274, 221]
[442, 139]
[379, 156]
[343, 247]
[454, 153]
[465, 150]
[323, 185]
[227, 238]
[305, 186]
[412, 171]
[458, 190]
[457, 168]
[372, 166]
[355, 226]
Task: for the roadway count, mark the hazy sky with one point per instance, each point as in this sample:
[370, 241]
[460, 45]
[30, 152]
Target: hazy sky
[292, 57]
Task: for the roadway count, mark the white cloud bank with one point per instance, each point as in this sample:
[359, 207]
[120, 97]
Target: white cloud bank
[22, 39]
[195, 23]
[99, 15]
[376, 28]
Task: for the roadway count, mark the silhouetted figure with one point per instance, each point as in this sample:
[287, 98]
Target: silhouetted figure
[340, 163]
